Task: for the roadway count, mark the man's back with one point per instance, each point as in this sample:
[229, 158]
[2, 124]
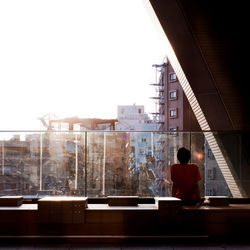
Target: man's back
[185, 178]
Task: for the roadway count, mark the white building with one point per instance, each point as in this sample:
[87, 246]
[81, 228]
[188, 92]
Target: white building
[133, 117]
[146, 163]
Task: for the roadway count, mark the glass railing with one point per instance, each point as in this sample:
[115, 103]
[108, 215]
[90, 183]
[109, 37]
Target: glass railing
[102, 163]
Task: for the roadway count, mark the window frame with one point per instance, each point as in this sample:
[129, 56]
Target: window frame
[176, 113]
[173, 131]
[170, 78]
[176, 95]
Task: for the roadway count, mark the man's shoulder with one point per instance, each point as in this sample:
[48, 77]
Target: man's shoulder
[193, 165]
[175, 165]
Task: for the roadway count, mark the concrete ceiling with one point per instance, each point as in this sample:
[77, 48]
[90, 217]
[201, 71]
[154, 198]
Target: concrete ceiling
[210, 39]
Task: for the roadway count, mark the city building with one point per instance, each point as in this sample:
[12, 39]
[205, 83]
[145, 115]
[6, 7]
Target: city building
[77, 124]
[215, 184]
[105, 161]
[149, 168]
[173, 113]
[134, 117]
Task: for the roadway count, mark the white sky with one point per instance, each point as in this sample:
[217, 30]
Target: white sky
[74, 58]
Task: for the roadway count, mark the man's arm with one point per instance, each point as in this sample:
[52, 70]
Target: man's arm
[174, 189]
[197, 192]
[196, 185]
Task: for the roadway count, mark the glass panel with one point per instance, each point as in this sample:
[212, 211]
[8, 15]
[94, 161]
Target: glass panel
[108, 164]
[20, 154]
[102, 163]
[46, 163]
[154, 159]
[62, 164]
[197, 156]
[233, 151]
[215, 183]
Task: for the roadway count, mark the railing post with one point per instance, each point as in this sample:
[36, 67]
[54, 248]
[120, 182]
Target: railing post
[41, 161]
[205, 166]
[104, 165]
[85, 163]
[76, 161]
[3, 157]
[190, 144]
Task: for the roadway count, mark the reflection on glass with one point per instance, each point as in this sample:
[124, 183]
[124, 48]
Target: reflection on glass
[102, 163]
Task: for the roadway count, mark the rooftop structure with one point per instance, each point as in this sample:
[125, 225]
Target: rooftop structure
[75, 123]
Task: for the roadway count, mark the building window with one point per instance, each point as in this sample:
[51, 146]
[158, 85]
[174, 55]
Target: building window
[172, 131]
[173, 113]
[139, 111]
[210, 154]
[211, 174]
[173, 94]
[172, 77]
[9, 170]
[172, 155]
[143, 140]
[142, 151]
[211, 192]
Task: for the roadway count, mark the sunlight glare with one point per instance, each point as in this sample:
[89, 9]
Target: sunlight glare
[74, 58]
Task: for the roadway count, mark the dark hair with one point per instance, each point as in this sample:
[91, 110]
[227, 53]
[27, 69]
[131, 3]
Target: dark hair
[183, 155]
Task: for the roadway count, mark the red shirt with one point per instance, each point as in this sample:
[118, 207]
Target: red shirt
[185, 176]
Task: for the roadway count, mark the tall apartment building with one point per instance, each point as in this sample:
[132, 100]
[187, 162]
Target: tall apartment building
[173, 113]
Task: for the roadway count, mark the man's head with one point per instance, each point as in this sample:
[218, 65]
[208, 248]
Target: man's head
[183, 155]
